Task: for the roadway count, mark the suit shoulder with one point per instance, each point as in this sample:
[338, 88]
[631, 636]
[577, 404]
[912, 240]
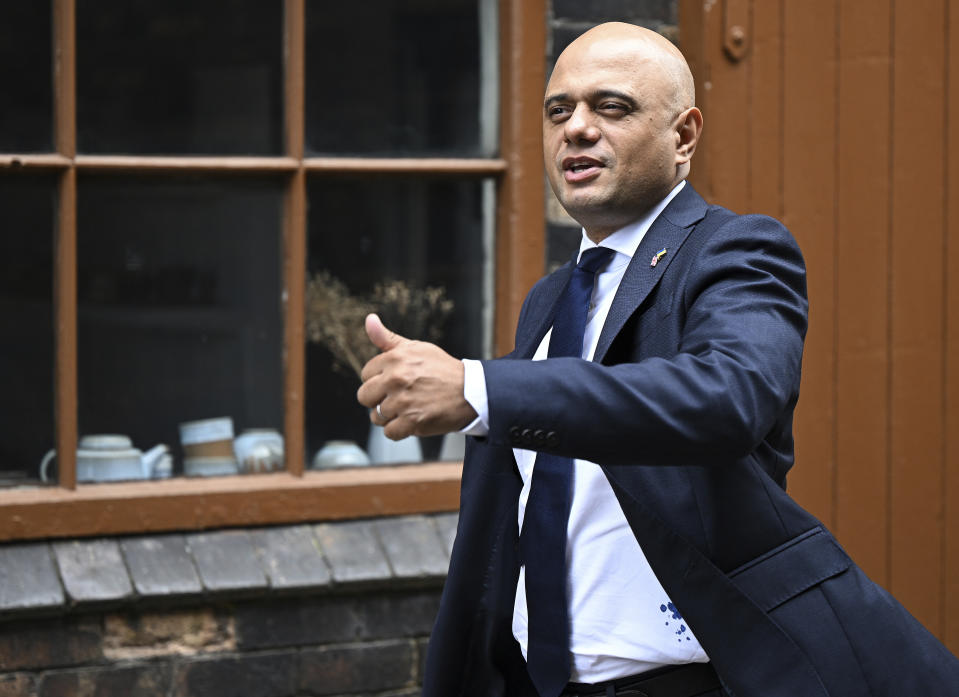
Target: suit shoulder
[724, 223]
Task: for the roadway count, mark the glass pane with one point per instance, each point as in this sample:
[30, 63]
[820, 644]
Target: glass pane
[26, 77]
[179, 316]
[179, 77]
[390, 244]
[418, 79]
[26, 324]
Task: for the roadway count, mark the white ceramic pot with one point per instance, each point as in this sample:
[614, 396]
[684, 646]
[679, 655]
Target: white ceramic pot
[339, 453]
[207, 437]
[383, 451]
[259, 450]
[112, 458]
[453, 448]
[209, 466]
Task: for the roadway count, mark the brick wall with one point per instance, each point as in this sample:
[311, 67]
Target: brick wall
[370, 643]
[293, 611]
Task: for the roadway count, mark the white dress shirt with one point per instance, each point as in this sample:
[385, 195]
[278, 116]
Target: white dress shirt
[622, 621]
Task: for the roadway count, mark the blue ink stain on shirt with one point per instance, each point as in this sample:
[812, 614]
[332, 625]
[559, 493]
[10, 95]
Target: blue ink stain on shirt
[674, 614]
[672, 609]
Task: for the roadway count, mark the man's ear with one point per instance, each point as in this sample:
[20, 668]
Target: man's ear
[689, 125]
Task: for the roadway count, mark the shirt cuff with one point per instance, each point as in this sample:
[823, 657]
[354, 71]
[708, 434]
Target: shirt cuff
[474, 391]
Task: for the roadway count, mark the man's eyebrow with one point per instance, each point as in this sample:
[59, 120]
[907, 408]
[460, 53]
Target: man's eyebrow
[615, 94]
[595, 96]
[552, 99]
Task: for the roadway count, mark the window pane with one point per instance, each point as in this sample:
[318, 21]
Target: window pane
[418, 78]
[26, 78]
[26, 326]
[179, 77]
[179, 316]
[421, 233]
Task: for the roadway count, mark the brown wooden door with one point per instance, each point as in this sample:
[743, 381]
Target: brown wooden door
[841, 118]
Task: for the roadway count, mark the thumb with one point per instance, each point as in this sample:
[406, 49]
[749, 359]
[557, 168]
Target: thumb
[381, 337]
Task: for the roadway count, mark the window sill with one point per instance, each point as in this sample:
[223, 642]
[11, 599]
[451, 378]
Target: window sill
[216, 502]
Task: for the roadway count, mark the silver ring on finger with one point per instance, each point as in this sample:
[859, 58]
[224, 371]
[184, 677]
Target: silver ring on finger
[379, 412]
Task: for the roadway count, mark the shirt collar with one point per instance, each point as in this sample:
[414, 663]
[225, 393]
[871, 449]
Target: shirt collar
[626, 240]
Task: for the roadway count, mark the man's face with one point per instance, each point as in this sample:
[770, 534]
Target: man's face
[609, 133]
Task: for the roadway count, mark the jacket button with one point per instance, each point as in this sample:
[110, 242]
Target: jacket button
[514, 434]
[552, 439]
[539, 436]
[526, 437]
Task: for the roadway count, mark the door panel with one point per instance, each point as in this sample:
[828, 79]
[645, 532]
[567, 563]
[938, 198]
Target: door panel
[836, 117]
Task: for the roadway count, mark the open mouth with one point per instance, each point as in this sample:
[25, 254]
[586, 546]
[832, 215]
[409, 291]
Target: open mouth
[577, 169]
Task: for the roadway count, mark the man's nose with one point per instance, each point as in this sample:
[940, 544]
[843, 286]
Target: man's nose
[581, 125]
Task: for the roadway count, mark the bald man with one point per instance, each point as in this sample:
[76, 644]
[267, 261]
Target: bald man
[624, 527]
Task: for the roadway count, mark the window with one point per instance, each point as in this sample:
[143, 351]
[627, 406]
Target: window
[194, 170]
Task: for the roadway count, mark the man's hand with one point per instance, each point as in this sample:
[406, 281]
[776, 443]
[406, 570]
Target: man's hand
[412, 387]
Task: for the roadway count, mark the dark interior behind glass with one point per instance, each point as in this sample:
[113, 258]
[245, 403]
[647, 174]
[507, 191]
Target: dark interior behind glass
[26, 77]
[26, 330]
[179, 77]
[423, 232]
[393, 77]
[179, 316]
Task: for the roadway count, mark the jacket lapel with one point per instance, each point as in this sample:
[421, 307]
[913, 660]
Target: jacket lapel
[543, 308]
[668, 232]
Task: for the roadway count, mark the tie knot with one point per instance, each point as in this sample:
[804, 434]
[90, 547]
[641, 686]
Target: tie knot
[594, 258]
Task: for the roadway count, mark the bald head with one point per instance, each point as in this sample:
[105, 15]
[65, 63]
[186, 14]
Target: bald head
[628, 42]
[619, 125]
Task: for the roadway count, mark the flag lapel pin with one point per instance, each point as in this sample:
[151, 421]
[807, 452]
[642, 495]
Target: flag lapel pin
[656, 257]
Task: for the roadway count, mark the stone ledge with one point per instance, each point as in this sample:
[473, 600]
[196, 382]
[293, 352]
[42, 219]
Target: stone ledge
[65, 576]
[93, 571]
[161, 565]
[28, 578]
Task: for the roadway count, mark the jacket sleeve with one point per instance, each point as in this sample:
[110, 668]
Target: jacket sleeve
[736, 311]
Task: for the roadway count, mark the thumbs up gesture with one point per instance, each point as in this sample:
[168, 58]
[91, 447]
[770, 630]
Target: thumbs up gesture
[412, 387]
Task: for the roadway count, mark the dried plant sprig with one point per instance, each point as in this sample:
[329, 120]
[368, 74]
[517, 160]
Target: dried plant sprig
[416, 313]
[335, 318]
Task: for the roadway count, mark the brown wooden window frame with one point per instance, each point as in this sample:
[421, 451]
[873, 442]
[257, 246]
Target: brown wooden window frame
[294, 495]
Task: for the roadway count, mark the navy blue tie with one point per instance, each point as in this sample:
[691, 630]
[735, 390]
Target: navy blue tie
[543, 540]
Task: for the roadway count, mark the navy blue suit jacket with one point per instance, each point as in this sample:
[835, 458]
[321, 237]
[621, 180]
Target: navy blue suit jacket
[688, 407]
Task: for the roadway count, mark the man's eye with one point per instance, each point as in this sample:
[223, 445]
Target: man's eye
[557, 112]
[613, 106]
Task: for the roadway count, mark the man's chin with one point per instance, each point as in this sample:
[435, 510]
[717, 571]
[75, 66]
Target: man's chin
[583, 207]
